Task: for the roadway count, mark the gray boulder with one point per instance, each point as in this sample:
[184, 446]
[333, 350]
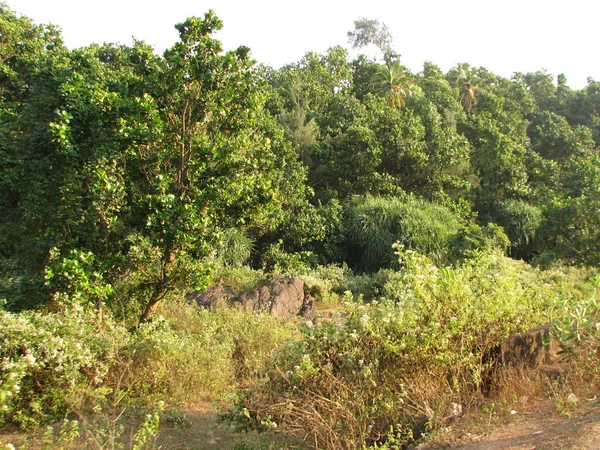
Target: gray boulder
[283, 298]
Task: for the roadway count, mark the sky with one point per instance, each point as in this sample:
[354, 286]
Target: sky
[504, 36]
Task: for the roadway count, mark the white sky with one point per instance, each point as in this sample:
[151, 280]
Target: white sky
[504, 36]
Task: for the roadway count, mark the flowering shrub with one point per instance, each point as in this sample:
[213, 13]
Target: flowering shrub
[52, 364]
[47, 358]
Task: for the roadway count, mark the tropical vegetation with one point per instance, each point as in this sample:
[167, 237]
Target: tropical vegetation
[435, 214]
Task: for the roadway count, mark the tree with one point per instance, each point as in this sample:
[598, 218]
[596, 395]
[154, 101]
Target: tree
[468, 84]
[25, 49]
[371, 31]
[393, 82]
[212, 164]
[134, 165]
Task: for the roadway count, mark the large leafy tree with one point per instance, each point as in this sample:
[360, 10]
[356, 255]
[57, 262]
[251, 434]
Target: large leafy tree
[25, 48]
[135, 164]
[210, 163]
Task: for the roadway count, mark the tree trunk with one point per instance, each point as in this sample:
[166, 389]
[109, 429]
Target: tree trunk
[160, 287]
[151, 307]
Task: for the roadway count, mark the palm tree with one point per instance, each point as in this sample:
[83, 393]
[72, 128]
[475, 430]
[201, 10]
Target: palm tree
[393, 82]
[468, 85]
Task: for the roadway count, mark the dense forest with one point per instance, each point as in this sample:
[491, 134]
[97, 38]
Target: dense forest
[129, 179]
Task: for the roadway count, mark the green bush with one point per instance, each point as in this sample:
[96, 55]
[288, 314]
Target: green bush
[56, 363]
[50, 360]
[578, 331]
[325, 283]
[393, 369]
[522, 223]
[473, 239]
[373, 224]
[572, 231]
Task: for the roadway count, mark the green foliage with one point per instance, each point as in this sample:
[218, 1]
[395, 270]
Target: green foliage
[467, 83]
[129, 177]
[522, 223]
[394, 367]
[394, 84]
[52, 359]
[234, 248]
[473, 239]
[141, 162]
[578, 330]
[325, 283]
[374, 223]
[572, 232]
[54, 364]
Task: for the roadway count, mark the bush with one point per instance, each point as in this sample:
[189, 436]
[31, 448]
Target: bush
[578, 331]
[473, 239]
[325, 283]
[375, 223]
[522, 223]
[53, 364]
[217, 350]
[400, 366]
[50, 360]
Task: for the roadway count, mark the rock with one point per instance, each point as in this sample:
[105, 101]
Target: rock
[533, 348]
[308, 311]
[287, 297]
[284, 298]
[256, 300]
[213, 297]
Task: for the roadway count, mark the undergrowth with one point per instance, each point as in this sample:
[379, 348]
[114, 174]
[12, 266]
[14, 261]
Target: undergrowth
[67, 363]
[401, 366]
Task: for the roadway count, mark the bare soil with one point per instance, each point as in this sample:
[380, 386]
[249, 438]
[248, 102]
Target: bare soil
[540, 426]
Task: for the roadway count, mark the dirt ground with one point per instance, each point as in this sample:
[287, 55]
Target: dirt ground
[205, 433]
[538, 427]
[201, 432]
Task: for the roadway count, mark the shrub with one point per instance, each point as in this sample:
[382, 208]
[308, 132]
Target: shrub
[522, 223]
[53, 364]
[375, 223]
[473, 239]
[48, 360]
[393, 369]
[325, 283]
[578, 331]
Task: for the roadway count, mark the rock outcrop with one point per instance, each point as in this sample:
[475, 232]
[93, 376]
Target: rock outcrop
[283, 298]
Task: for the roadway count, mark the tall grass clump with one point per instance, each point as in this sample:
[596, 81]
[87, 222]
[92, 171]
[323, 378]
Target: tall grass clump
[522, 223]
[405, 364]
[374, 223]
[234, 248]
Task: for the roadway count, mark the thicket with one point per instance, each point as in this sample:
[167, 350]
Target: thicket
[55, 364]
[390, 371]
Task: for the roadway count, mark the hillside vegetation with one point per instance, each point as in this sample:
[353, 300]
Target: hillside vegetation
[431, 214]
